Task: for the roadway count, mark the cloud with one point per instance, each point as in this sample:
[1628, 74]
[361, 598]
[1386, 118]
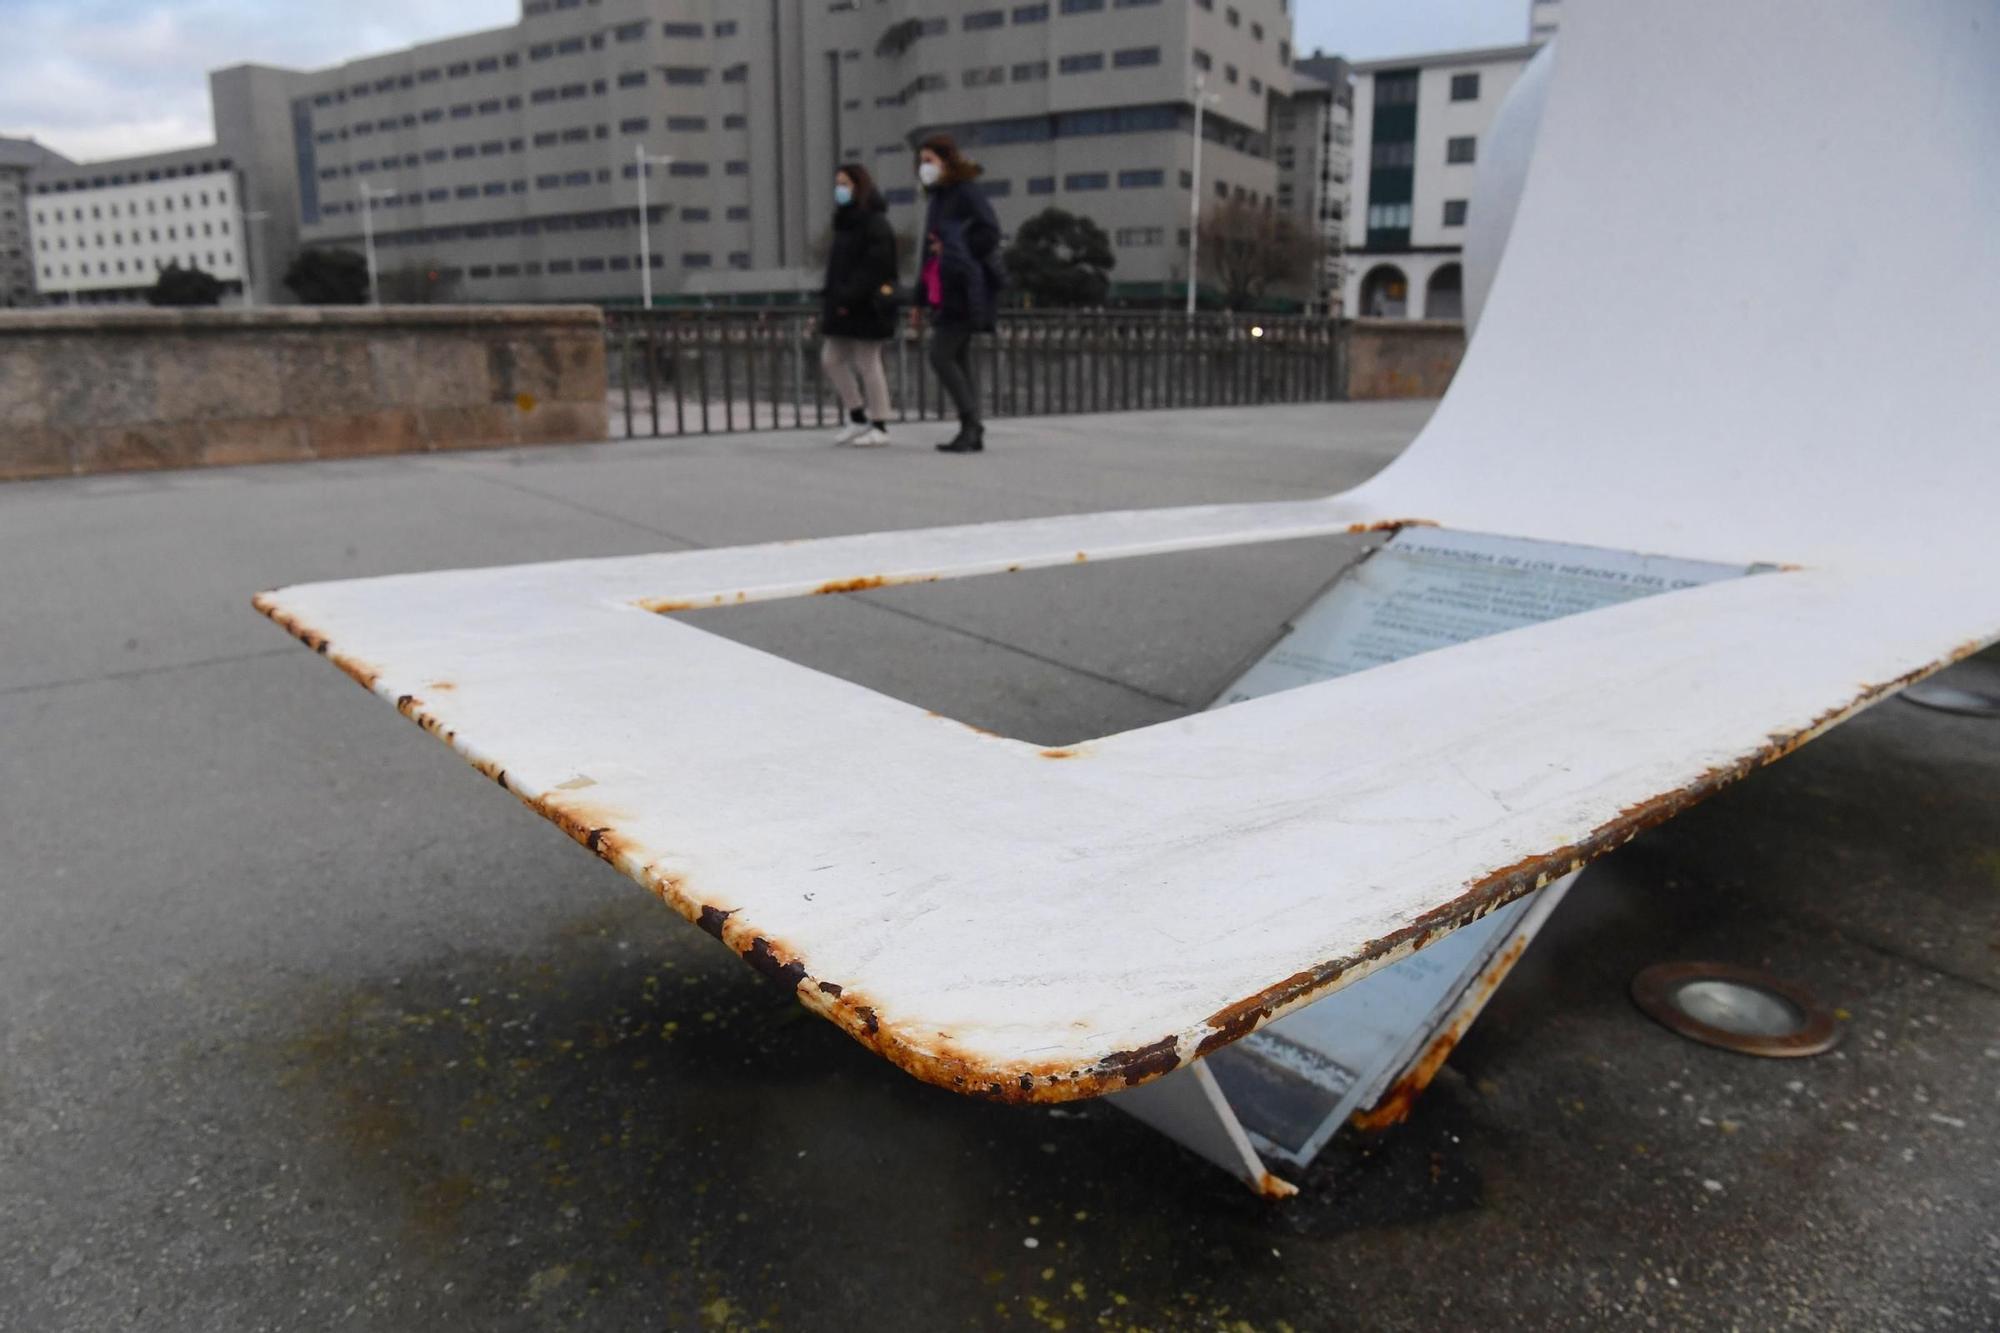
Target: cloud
[98, 78]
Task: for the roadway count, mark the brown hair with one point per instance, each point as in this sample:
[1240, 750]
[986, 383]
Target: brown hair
[957, 166]
[867, 195]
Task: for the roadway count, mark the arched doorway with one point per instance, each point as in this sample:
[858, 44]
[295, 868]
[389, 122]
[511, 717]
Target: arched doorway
[1444, 296]
[1385, 293]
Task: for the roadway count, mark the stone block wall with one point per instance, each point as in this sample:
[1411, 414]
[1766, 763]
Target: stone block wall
[1402, 358]
[90, 391]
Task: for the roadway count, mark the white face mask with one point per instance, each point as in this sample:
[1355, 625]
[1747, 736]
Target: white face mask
[928, 173]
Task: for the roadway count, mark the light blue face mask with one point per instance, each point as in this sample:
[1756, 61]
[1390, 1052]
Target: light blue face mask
[842, 195]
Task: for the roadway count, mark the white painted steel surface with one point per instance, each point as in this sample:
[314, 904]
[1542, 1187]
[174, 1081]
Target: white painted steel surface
[1694, 347]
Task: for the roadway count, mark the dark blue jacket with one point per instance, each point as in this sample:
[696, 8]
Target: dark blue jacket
[968, 236]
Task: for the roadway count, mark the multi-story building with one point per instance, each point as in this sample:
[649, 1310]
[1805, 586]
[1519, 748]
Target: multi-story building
[103, 231]
[19, 159]
[1313, 134]
[507, 158]
[1419, 123]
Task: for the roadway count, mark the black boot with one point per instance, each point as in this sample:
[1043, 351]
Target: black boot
[971, 439]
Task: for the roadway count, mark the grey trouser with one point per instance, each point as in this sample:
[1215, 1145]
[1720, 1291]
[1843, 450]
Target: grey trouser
[951, 358]
[855, 367]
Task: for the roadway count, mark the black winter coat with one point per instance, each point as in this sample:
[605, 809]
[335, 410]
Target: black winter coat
[968, 237]
[859, 300]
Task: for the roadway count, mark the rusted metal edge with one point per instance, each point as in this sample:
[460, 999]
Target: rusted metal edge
[873, 582]
[933, 1058]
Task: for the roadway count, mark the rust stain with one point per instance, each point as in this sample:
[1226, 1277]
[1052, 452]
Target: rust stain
[1148, 1062]
[1271, 1187]
[1062, 752]
[666, 606]
[851, 585]
[1401, 1098]
[442, 686]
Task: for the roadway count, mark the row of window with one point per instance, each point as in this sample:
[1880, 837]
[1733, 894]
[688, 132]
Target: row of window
[106, 267]
[118, 237]
[624, 32]
[1458, 150]
[1230, 74]
[153, 174]
[674, 75]
[616, 219]
[1396, 217]
[153, 206]
[544, 139]
[1400, 89]
[680, 167]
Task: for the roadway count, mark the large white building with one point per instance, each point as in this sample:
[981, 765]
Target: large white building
[103, 231]
[1312, 136]
[1419, 123]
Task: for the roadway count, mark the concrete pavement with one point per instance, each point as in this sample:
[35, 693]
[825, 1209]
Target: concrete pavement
[305, 1025]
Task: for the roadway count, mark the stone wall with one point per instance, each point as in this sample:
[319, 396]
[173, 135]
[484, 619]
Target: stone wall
[88, 391]
[1402, 358]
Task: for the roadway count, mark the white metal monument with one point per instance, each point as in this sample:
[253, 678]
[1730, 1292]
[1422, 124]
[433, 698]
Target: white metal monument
[1745, 318]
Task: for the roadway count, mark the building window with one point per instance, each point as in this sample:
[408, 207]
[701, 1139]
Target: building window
[1465, 87]
[1395, 90]
[1082, 64]
[1031, 13]
[1393, 154]
[1141, 180]
[1081, 6]
[726, 28]
[1078, 181]
[696, 259]
[738, 213]
[1031, 71]
[983, 19]
[1388, 217]
[1454, 212]
[1229, 73]
[1041, 185]
[632, 79]
[1135, 57]
[1203, 61]
[1460, 148]
[680, 30]
[685, 75]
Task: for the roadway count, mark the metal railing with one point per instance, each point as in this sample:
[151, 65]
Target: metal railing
[685, 372]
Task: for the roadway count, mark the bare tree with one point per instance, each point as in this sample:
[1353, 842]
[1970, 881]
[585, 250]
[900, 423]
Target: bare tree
[1249, 248]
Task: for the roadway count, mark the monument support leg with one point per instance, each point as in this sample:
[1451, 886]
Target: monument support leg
[1190, 1109]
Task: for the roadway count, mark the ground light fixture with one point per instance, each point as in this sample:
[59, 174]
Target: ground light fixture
[1970, 689]
[1735, 1008]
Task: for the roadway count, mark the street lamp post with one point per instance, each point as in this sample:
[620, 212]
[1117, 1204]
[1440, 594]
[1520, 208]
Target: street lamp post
[369, 194]
[1202, 100]
[646, 160]
[250, 220]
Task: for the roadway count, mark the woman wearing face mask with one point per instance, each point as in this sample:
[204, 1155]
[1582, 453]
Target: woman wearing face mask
[858, 306]
[961, 277]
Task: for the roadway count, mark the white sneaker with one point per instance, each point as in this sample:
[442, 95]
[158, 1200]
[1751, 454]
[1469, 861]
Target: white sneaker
[853, 432]
[873, 439]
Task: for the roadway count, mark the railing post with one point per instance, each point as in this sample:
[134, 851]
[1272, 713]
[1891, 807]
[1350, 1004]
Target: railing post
[652, 372]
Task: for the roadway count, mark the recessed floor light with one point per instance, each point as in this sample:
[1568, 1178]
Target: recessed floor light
[1735, 1008]
[1970, 689]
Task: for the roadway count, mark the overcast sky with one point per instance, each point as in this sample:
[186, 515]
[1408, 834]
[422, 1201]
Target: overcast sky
[103, 78]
